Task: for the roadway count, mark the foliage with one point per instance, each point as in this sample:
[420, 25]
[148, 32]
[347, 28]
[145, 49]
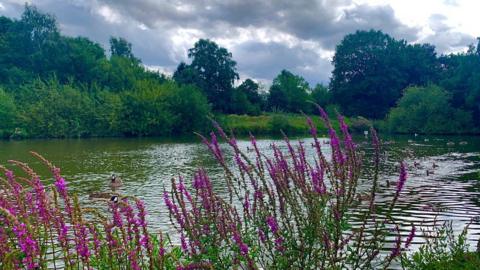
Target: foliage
[246, 99]
[285, 213]
[461, 77]
[8, 113]
[213, 70]
[289, 92]
[360, 124]
[427, 110]
[371, 69]
[163, 110]
[270, 124]
[46, 226]
[321, 96]
[443, 250]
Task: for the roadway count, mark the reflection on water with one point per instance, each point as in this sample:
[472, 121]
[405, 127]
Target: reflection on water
[449, 191]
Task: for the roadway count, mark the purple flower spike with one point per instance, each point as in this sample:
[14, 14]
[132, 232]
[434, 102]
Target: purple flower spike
[61, 186]
[402, 178]
[410, 237]
[272, 223]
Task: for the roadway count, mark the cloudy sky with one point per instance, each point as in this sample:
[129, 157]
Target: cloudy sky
[263, 36]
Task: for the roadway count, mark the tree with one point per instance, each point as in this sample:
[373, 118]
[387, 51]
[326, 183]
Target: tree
[427, 110]
[250, 88]
[460, 76]
[371, 69]
[8, 113]
[213, 70]
[122, 48]
[185, 74]
[289, 92]
[321, 96]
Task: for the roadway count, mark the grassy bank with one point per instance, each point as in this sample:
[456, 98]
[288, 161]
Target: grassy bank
[272, 123]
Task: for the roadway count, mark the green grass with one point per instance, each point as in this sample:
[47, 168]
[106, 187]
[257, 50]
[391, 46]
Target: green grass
[271, 124]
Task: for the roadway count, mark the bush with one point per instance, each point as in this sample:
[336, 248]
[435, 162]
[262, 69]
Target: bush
[360, 124]
[8, 114]
[279, 122]
[165, 109]
[443, 250]
[55, 111]
[427, 110]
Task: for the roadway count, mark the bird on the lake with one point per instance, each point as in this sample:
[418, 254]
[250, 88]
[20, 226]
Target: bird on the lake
[101, 195]
[434, 165]
[463, 143]
[115, 181]
[114, 199]
[450, 143]
[429, 172]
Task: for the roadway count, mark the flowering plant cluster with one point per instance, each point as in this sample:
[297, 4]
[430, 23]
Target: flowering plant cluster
[44, 227]
[286, 211]
[283, 211]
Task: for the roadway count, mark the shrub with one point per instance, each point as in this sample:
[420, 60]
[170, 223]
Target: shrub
[443, 250]
[427, 110]
[279, 122]
[8, 112]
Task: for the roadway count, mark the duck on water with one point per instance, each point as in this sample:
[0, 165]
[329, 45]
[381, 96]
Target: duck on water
[115, 181]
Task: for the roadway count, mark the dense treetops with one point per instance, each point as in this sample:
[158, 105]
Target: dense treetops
[58, 86]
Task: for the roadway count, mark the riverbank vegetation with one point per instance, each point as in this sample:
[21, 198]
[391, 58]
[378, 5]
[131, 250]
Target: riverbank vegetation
[52, 85]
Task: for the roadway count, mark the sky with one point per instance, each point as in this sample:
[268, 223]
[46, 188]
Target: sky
[263, 36]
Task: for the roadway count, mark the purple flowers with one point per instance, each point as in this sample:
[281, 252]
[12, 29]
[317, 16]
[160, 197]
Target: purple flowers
[61, 186]
[272, 224]
[402, 178]
[27, 244]
[410, 237]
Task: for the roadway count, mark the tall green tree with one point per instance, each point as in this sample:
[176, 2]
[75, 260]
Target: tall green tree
[321, 96]
[371, 69]
[122, 48]
[289, 92]
[213, 70]
[460, 76]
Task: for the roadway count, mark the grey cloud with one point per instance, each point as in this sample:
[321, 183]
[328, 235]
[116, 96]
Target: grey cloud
[445, 37]
[325, 22]
[266, 60]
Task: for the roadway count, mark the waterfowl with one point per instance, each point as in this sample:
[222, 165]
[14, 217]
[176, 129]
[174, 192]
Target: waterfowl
[100, 195]
[416, 164]
[463, 143]
[434, 165]
[115, 181]
[114, 199]
[426, 140]
[450, 143]
[429, 172]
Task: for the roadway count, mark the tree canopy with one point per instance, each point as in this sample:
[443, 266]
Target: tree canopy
[427, 110]
[53, 85]
[371, 69]
[213, 70]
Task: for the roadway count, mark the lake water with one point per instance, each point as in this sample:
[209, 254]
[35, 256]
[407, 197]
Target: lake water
[146, 166]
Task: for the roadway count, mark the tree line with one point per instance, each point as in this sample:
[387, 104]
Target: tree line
[53, 85]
